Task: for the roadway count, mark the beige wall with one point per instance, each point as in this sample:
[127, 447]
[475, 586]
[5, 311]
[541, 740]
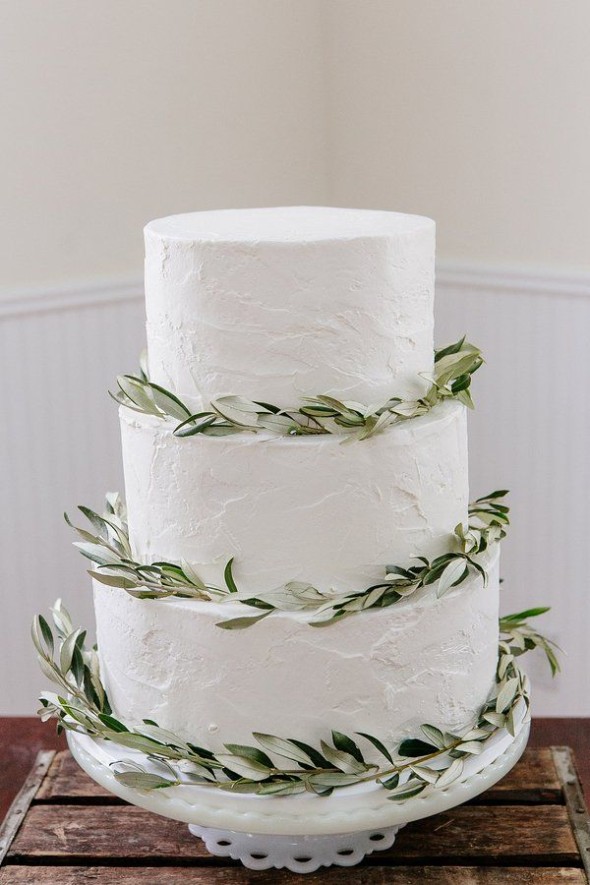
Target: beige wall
[113, 113]
[472, 112]
[116, 111]
[119, 111]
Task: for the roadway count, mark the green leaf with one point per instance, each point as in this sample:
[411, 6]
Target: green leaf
[474, 748]
[282, 747]
[112, 723]
[451, 348]
[244, 766]
[250, 753]
[97, 522]
[506, 695]
[451, 774]
[242, 623]
[315, 756]
[342, 760]
[281, 789]
[391, 782]
[137, 780]
[414, 747]
[138, 392]
[377, 744]
[332, 779]
[241, 404]
[112, 580]
[496, 719]
[66, 651]
[434, 735]
[343, 742]
[197, 423]
[192, 575]
[499, 493]
[169, 403]
[425, 773]
[407, 790]
[523, 616]
[234, 415]
[229, 578]
[453, 574]
[44, 631]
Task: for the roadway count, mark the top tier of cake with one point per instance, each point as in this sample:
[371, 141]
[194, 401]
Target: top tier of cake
[276, 304]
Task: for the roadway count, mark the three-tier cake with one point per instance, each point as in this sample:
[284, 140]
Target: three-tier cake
[297, 607]
[275, 305]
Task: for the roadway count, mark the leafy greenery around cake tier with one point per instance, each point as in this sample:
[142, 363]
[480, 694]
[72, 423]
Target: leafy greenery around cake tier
[431, 760]
[451, 379]
[108, 547]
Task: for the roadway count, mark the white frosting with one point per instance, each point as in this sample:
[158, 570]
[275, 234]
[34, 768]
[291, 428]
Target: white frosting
[384, 671]
[273, 304]
[306, 508]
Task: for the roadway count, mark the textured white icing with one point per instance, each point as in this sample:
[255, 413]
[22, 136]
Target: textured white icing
[307, 508]
[384, 671]
[274, 304]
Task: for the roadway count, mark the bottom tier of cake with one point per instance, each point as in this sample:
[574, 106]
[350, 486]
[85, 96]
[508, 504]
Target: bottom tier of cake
[382, 671]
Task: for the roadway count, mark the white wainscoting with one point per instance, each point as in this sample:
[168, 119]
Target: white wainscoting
[61, 349]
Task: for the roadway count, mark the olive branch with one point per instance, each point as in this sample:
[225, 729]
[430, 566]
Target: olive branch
[432, 760]
[451, 379]
[108, 547]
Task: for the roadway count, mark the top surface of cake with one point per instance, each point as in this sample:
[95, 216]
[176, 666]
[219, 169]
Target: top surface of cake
[278, 304]
[286, 224]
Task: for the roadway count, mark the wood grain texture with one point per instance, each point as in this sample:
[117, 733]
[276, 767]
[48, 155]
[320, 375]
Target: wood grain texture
[21, 738]
[573, 733]
[541, 834]
[75, 833]
[374, 875]
[66, 781]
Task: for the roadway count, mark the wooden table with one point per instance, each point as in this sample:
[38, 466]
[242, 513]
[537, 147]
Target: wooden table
[531, 828]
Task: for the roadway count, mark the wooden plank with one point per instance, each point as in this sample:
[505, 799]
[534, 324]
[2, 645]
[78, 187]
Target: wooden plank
[101, 833]
[23, 875]
[575, 733]
[533, 780]
[21, 738]
[574, 800]
[66, 781]
[531, 835]
[19, 807]
[502, 834]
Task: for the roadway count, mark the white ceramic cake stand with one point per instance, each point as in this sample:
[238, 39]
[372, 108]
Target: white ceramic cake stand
[301, 832]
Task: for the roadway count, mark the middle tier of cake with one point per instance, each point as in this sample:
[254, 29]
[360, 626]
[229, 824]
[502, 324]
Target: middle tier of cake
[314, 509]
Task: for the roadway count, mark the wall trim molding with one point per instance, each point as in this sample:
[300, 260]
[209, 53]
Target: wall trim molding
[72, 296]
[453, 275]
[449, 275]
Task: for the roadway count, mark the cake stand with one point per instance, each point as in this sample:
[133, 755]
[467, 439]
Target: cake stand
[301, 832]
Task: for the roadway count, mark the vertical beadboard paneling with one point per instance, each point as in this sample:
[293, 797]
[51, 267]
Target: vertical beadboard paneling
[530, 432]
[59, 447]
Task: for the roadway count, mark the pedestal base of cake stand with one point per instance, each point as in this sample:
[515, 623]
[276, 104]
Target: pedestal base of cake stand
[304, 831]
[300, 854]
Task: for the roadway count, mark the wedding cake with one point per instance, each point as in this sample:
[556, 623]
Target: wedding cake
[298, 641]
[332, 462]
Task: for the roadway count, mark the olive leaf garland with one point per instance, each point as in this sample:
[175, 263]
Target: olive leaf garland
[108, 547]
[432, 760]
[451, 379]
